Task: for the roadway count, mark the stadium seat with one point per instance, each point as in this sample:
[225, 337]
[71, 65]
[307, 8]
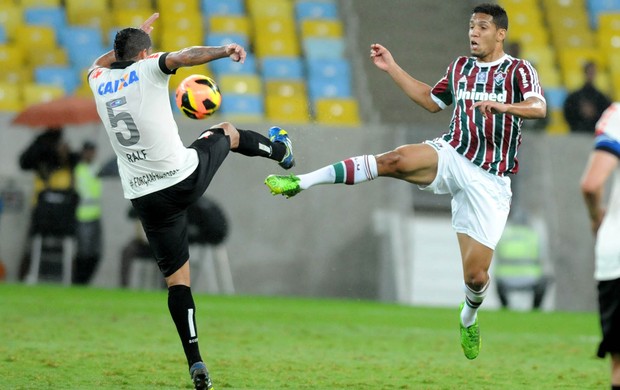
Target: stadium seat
[3, 38]
[229, 24]
[329, 68]
[285, 88]
[313, 28]
[324, 47]
[240, 84]
[226, 66]
[78, 37]
[555, 97]
[223, 39]
[259, 9]
[242, 107]
[131, 4]
[10, 18]
[180, 7]
[47, 16]
[40, 3]
[282, 68]
[183, 23]
[276, 46]
[320, 88]
[274, 26]
[337, 112]
[171, 41]
[77, 9]
[222, 7]
[315, 9]
[10, 97]
[597, 7]
[35, 36]
[282, 109]
[38, 93]
[64, 77]
[122, 18]
[11, 57]
[16, 76]
[557, 123]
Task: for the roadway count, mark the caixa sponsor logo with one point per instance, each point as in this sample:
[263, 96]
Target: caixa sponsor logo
[481, 96]
[117, 85]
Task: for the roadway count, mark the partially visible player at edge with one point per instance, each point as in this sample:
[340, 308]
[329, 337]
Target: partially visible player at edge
[160, 176]
[492, 93]
[604, 211]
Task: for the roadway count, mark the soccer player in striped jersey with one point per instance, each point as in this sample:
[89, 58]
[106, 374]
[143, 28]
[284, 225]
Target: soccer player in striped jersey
[492, 93]
[605, 219]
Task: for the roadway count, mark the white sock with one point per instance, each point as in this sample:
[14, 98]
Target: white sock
[473, 300]
[350, 171]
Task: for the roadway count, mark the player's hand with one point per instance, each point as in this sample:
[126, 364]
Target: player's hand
[236, 52]
[488, 107]
[147, 26]
[381, 56]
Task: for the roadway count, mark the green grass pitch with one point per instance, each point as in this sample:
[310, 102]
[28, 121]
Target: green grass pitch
[85, 338]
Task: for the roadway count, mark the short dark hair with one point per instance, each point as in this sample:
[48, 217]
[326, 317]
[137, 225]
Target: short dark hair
[500, 17]
[129, 42]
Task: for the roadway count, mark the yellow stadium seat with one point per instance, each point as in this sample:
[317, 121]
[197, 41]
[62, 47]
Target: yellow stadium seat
[47, 56]
[184, 72]
[240, 84]
[11, 17]
[35, 37]
[322, 28]
[543, 55]
[10, 97]
[276, 45]
[533, 35]
[77, 9]
[16, 76]
[11, 57]
[274, 26]
[183, 23]
[167, 7]
[131, 4]
[574, 79]
[609, 21]
[615, 79]
[38, 93]
[287, 109]
[270, 8]
[229, 24]
[101, 20]
[557, 124]
[572, 61]
[549, 76]
[40, 3]
[338, 112]
[285, 88]
[173, 41]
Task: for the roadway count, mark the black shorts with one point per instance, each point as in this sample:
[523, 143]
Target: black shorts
[164, 213]
[609, 310]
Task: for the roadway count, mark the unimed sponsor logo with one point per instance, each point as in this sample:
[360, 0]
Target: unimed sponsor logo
[481, 96]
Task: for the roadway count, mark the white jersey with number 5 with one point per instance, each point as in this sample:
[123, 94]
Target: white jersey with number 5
[133, 103]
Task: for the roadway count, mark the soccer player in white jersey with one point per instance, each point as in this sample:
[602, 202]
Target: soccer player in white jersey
[492, 93]
[605, 219]
[161, 176]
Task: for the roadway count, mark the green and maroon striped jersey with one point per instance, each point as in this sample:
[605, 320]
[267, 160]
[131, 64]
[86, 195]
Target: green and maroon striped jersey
[490, 143]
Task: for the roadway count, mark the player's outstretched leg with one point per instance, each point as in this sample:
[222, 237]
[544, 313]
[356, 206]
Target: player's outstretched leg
[354, 170]
[279, 135]
[200, 376]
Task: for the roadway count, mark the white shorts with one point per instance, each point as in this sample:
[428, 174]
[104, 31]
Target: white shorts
[480, 200]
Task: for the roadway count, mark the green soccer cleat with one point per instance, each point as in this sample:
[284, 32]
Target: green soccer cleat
[283, 185]
[470, 338]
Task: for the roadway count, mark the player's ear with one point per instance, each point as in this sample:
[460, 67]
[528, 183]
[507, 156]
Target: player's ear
[501, 34]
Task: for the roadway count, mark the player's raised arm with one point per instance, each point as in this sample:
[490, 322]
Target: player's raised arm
[196, 55]
[417, 91]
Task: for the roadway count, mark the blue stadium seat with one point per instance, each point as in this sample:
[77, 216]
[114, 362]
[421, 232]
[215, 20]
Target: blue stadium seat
[596, 7]
[64, 77]
[83, 45]
[290, 68]
[329, 68]
[329, 88]
[226, 66]
[242, 105]
[222, 39]
[49, 16]
[315, 9]
[3, 37]
[555, 97]
[324, 47]
[222, 7]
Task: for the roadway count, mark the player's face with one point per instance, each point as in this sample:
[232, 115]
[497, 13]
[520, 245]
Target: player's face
[484, 37]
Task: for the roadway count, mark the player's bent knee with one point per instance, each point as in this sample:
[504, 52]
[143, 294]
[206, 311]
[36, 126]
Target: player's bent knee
[388, 163]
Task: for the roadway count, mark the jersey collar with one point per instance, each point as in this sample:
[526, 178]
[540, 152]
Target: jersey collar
[121, 64]
[490, 64]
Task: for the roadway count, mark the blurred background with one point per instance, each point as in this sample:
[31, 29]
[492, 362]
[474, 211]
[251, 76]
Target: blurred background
[308, 70]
